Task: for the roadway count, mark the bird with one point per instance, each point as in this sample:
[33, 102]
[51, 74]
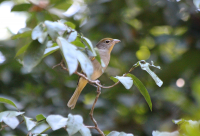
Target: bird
[104, 47]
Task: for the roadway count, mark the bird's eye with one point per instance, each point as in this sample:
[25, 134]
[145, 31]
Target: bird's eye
[107, 41]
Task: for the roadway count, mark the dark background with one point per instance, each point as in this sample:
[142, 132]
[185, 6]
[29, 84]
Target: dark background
[165, 31]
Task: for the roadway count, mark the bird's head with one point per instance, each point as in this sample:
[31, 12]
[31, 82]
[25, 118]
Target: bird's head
[107, 44]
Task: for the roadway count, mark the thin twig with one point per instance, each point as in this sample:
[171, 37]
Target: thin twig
[57, 64]
[90, 127]
[92, 81]
[92, 110]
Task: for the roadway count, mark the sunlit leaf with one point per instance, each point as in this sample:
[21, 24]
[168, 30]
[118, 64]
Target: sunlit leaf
[89, 45]
[7, 101]
[85, 62]
[40, 117]
[50, 50]
[72, 36]
[197, 4]
[69, 53]
[74, 124]
[126, 81]
[115, 133]
[85, 131]
[142, 89]
[38, 33]
[33, 55]
[145, 66]
[29, 123]
[55, 29]
[40, 128]
[12, 122]
[9, 114]
[21, 7]
[56, 121]
[157, 133]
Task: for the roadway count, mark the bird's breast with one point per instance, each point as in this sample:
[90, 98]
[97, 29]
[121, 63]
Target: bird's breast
[98, 69]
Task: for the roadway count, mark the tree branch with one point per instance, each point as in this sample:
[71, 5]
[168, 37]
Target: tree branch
[92, 110]
[91, 81]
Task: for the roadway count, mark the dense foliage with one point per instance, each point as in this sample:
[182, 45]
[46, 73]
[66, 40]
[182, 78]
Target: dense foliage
[166, 32]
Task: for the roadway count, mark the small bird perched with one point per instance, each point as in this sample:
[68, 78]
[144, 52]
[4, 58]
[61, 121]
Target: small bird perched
[105, 47]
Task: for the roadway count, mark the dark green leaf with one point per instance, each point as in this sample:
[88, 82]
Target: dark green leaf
[22, 50]
[22, 35]
[7, 101]
[22, 7]
[142, 89]
[114, 79]
[40, 117]
[70, 24]
[34, 54]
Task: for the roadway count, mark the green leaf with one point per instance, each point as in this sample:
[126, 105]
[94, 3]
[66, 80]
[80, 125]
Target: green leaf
[34, 54]
[114, 79]
[142, 89]
[7, 101]
[22, 50]
[70, 24]
[21, 7]
[22, 35]
[40, 117]
[78, 43]
[62, 4]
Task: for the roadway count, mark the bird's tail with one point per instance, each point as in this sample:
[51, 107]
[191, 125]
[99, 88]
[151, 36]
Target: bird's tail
[81, 84]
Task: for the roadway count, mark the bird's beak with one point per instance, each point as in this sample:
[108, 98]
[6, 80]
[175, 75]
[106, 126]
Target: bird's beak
[116, 40]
